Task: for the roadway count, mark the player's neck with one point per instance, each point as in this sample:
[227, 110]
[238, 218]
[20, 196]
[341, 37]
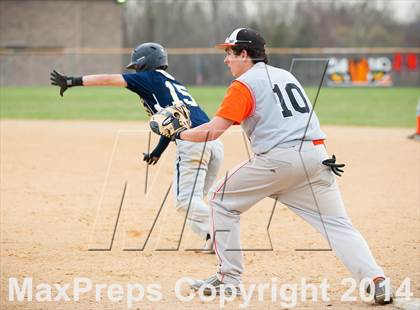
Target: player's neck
[248, 64]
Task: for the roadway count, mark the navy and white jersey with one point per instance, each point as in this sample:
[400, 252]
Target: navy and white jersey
[159, 89]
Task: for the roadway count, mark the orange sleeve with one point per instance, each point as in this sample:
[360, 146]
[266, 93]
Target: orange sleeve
[237, 104]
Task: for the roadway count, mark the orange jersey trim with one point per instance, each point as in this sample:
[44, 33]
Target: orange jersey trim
[238, 103]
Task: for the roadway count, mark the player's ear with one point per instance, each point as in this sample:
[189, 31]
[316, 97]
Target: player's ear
[244, 54]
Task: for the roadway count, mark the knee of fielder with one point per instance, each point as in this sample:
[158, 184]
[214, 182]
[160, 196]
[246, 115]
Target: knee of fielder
[219, 209]
[222, 203]
[215, 198]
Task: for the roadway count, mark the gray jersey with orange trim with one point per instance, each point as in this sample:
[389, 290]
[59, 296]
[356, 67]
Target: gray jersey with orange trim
[281, 111]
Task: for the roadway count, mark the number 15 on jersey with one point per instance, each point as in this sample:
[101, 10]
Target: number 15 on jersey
[174, 89]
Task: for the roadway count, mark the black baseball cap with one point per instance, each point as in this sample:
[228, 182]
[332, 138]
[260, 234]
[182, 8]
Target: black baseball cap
[243, 36]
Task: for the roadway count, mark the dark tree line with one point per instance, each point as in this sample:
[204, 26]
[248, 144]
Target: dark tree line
[194, 23]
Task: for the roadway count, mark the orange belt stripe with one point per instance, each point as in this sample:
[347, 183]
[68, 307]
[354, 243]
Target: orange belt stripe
[317, 142]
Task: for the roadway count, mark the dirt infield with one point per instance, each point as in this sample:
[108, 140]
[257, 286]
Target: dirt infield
[61, 188]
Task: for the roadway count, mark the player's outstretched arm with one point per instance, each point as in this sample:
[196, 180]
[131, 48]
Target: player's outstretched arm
[65, 82]
[104, 80]
[208, 131]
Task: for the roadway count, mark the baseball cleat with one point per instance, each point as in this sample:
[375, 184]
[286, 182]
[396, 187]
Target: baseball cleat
[414, 136]
[213, 284]
[383, 294]
[208, 246]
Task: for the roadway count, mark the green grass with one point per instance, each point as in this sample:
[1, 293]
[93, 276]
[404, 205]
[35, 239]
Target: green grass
[386, 107]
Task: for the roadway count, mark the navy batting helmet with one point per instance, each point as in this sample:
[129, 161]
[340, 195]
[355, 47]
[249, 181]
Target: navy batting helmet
[148, 57]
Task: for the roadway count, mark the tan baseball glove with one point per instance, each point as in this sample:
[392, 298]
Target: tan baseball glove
[171, 120]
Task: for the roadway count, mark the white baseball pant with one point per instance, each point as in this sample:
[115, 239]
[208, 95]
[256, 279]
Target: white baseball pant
[195, 171]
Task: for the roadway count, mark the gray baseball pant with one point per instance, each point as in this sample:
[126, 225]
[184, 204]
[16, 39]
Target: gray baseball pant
[282, 173]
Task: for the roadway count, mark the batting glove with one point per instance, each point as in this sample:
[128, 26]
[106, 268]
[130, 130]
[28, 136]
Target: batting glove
[150, 159]
[335, 168]
[64, 82]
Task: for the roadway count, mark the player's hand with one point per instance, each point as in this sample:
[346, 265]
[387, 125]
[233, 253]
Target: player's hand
[150, 159]
[60, 80]
[336, 168]
[64, 82]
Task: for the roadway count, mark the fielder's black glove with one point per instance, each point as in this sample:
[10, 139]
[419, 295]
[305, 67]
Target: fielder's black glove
[150, 159]
[64, 82]
[336, 168]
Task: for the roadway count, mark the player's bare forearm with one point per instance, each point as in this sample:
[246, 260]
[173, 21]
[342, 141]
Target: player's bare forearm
[65, 82]
[104, 80]
[208, 131]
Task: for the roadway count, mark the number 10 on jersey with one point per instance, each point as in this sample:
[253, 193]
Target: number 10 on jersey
[291, 90]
